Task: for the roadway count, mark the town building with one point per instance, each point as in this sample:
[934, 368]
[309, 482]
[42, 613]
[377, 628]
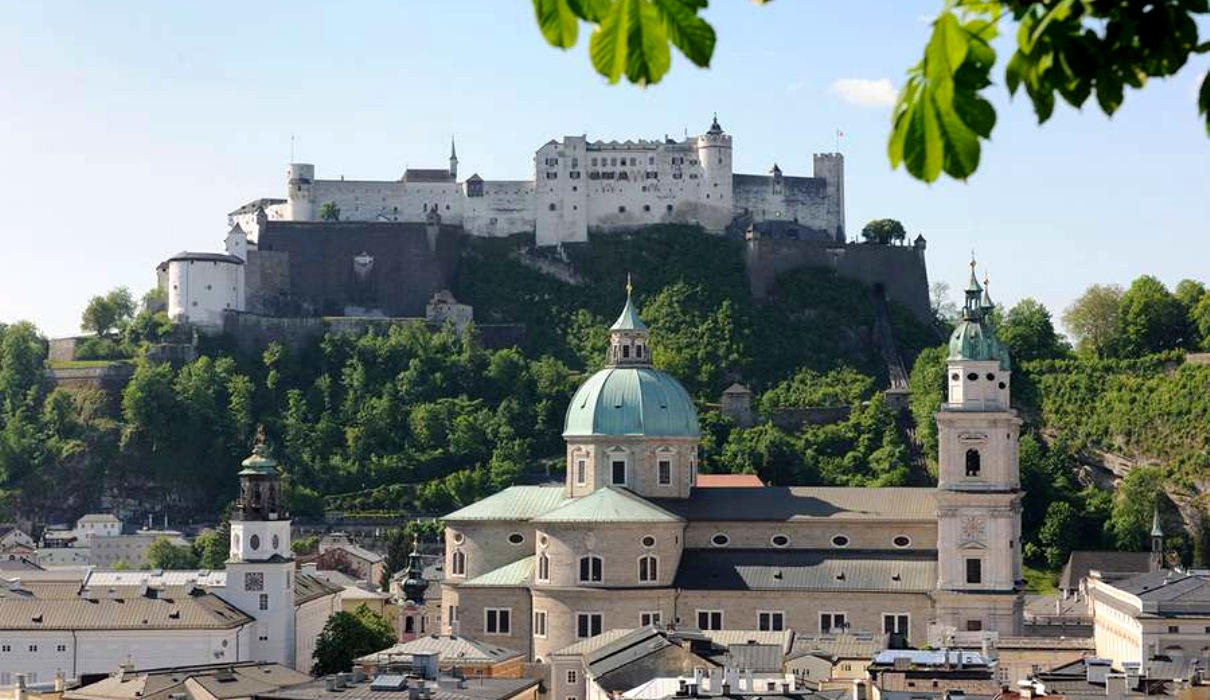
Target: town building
[1160, 613]
[914, 674]
[473, 658]
[231, 681]
[83, 621]
[630, 540]
[430, 686]
[360, 562]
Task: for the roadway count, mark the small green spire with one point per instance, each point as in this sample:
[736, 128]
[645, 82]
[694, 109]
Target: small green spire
[629, 319]
[973, 284]
[987, 297]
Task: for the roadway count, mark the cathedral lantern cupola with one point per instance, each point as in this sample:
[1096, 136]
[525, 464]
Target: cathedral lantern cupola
[628, 336]
[414, 584]
[259, 486]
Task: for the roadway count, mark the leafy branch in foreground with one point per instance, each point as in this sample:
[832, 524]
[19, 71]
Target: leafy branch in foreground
[1072, 49]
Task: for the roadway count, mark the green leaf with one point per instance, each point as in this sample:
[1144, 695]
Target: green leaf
[1203, 100]
[688, 32]
[589, 10]
[1109, 92]
[631, 40]
[1014, 72]
[946, 48]
[976, 112]
[558, 22]
[960, 144]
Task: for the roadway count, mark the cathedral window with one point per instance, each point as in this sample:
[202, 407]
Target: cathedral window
[458, 538]
[974, 570]
[588, 625]
[551, 206]
[264, 601]
[665, 472]
[626, 351]
[770, 620]
[539, 623]
[991, 377]
[497, 621]
[543, 567]
[830, 622]
[646, 207]
[581, 472]
[516, 538]
[710, 619]
[779, 540]
[840, 541]
[618, 469]
[720, 539]
[254, 542]
[648, 541]
[649, 569]
[902, 541]
[458, 563]
[973, 466]
[622, 208]
[592, 569]
[409, 625]
[972, 376]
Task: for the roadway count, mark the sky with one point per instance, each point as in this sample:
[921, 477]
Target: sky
[129, 129]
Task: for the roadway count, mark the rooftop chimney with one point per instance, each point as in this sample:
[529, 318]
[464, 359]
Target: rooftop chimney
[1096, 669]
[1115, 686]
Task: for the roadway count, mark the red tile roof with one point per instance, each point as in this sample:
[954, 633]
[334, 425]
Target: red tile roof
[714, 481]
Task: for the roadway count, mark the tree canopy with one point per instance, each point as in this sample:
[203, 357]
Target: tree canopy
[1069, 50]
[347, 636]
[108, 312]
[1030, 333]
[883, 231]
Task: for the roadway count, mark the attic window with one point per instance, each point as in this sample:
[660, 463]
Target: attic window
[973, 376]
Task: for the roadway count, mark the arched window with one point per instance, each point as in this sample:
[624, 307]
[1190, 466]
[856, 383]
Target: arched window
[543, 567]
[592, 569]
[458, 563]
[649, 568]
[973, 465]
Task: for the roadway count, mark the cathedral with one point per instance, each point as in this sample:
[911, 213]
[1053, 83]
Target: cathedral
[631, 538]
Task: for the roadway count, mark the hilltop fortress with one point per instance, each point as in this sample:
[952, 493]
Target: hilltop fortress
[388, 249]
[578, 186]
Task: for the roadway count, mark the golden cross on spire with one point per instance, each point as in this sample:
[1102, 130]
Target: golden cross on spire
[972, 259]
[629, 286]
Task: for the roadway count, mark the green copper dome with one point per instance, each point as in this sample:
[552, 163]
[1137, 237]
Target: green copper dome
[976, 340]
[631, 401]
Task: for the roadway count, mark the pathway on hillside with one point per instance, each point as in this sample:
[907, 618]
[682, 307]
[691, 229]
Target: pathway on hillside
[897, 393]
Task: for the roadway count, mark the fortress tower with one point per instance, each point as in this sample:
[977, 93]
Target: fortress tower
[979, 585]
[830, 167]
[714, 154]
[260, 569]
[300, 194]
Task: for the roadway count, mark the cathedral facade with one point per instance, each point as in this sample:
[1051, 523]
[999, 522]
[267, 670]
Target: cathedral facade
[631, 539]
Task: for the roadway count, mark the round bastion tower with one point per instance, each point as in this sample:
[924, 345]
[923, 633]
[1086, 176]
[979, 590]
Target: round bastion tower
[631, 425]
[300, 193]
[714, 154]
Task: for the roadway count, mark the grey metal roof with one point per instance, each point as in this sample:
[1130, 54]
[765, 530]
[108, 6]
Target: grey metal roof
[626, 650]
[205, 257]
[450, 649]
[427, 175]
[787, 503]
[807, 570]
[513, 503]
[760, 658]
[205, 611]
[1081, 562]
[233, 680]
[841, 646]
[476, 689]
[585, 646]
[1168, 592]
[608, 505]
[255, 205]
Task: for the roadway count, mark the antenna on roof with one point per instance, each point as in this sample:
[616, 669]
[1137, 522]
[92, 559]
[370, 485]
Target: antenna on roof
[291, 148]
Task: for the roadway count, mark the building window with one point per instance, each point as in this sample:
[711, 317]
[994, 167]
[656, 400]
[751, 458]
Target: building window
[710, 619]
[543, 567]
[254, 542]
[458, 563]
[497, 621]
[618, 471]
[974, 625]
[780, 540]
[622, 208]
[588, 625]
[33, 647]
[895, 623]
[830, 622]
[974, 570]
[840, 541]
[551, 206]
[625, 351]
[649, 568]
[902, 541]
[539, 623]
[720, 539]
[61, 647]
[516, 538]
[647, 619]
[1174, 629]
[972, 463]
[667, 207]
[770, 620]
[581, 472]
[453, 614]
[646, 207]
[648, 541]
[591, 569]
[665, 472]
[572, 677]
[264, 601]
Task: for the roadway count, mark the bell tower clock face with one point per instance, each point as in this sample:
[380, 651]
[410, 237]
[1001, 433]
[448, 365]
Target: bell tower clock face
[974, 529]
[254, 581]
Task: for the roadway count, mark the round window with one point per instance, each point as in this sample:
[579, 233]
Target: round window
[840, 541]
[991, 377]
[254, 542]
[1003, 385]
[780, 540]
[276, 542]
[648, 541]
[458, 538]
[973, 376]
[542, 541]
[955, 376]
[902, 541]
[720, 539]
[516, 538]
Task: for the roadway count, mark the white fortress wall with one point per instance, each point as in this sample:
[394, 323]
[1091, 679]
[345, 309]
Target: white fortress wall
[376, 200]
[498, 207]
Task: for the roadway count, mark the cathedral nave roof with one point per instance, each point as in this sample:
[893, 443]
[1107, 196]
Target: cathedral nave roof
[807, 570]
[788, 503]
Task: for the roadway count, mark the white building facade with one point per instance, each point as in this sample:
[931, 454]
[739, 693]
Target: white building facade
[201, 286]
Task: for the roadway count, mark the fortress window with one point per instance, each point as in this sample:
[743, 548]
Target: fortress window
[552, 175]
[840, 541]
[613, 161]
[594, 162]
[665, 472]
[692, 176]
[902, 541]
[646, 207]
[634, 161]
[667, 207]
[622, 209]
[623, 176]
[650, 160]
[649, 568]
[516, 538]
[779, 540]
[458, 563]
[973, 466]
[592, 569]
[720, 539]
[575, 175]
[552, 206]
[575, 162]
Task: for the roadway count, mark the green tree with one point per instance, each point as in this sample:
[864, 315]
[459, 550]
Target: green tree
[1152, 319]
[1069, 50]
[883, 231]
[329, 212]
[839, 387]
[927, 384]
[1030, 334]
[22, 362]
[211, 547]
[1199, 318]
[1189, 292]
[305, 545]
[163, 554]
[1093, 320]
[1058, 533]
[347, 636]
[108, 312]
[1137, 498]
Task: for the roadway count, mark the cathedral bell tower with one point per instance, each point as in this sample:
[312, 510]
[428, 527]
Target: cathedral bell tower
[979, 586]
[413, 611]
[260, 569]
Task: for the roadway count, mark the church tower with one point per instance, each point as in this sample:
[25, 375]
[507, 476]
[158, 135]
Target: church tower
[413, 611]
[453, 161]
[979, 586]
[260, 570]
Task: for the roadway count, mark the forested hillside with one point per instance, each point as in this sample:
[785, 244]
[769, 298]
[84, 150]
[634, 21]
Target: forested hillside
[409, 420]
